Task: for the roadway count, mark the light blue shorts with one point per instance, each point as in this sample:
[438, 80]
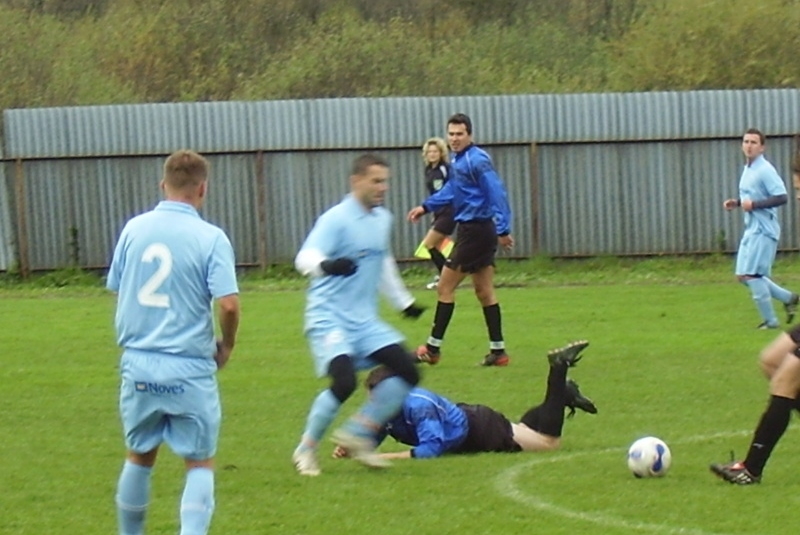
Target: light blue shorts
[327, 340]
[756, 254]
[170, 399]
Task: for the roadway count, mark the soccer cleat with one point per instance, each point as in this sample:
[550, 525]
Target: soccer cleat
[306, 463]
[495, 359]
[791, 307]
[735, 473]
[575, 400]
[433, 284]
[362, 449]
[763, 326]
[427, 356]
[568, 355]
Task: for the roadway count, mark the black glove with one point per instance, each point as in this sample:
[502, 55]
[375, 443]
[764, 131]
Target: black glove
[413, 311]
[339, 266]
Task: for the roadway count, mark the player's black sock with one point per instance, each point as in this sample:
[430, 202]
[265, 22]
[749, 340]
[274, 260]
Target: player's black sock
[444, 312]
[548, 418]
[494, 324]
[770, 429]
[437, 258]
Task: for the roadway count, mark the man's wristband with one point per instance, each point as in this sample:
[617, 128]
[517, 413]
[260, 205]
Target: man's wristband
[738, 202]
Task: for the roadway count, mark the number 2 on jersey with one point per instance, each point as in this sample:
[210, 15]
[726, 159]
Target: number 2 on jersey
[148, 294]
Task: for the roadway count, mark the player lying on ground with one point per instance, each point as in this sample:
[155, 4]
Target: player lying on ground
[434, 425]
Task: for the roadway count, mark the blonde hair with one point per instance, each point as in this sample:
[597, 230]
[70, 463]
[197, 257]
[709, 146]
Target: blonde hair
[439, 142]
[185, 168]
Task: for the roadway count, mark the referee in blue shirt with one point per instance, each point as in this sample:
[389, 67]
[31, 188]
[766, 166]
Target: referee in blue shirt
[168, 266]
[479, 199]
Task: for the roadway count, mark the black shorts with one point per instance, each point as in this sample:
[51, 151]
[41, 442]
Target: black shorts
[443, 221]
[488, 431]
[475, 247]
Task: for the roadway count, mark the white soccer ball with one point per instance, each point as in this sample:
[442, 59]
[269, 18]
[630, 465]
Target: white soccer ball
[649, 457]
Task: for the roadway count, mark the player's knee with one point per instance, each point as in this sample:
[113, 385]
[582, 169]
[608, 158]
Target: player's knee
[343, 377]
[399, 361]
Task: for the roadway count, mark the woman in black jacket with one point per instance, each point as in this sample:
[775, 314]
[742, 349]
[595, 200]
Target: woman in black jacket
[437, 161]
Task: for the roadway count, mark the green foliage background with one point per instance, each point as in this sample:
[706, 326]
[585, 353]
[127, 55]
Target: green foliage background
[79, 52]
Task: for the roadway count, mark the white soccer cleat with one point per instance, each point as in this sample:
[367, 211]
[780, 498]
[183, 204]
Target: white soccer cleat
[361, 449]
[306, 463]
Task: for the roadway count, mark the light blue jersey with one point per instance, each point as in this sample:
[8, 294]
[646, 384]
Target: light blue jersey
[760, 181]
[341, 316]
[348, 230]
[167, 267]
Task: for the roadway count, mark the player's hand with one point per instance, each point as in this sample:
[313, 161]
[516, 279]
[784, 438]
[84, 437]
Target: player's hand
[415, 214]
[413, 311]
[339, 452]
[506, 242]
[222, 355]
[343, 267]
[730, 204]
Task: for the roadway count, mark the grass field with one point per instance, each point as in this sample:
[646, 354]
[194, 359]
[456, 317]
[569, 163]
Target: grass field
[676, 359]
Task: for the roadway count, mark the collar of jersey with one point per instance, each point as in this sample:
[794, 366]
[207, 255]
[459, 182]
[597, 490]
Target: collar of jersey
[176, 206]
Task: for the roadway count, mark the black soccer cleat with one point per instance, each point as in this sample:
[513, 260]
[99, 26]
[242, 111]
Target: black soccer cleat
[568, 355]
[495, 359]
[735, 473]
[576, 400]
[791, 307]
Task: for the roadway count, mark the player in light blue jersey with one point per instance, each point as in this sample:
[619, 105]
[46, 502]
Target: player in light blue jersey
[348, 258]
[484, 220]
[761, 192]
[167, 268]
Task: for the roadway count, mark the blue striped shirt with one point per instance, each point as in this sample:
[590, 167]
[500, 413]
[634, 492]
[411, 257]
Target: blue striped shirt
[475, 191]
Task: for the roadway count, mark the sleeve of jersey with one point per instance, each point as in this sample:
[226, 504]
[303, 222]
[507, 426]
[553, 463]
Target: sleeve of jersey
[317, 247]
[222, 269]
[441, 198]
[430, 432]
[117, 263]
[392, 287]
[773, 182]
[496, 192]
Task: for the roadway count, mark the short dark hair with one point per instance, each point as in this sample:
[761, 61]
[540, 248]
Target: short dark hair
[759, 133]
[185, 168]
[365, 161]
[377, 375]
[461, 118]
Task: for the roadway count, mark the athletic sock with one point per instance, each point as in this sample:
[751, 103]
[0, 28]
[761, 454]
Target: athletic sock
[494, 324]
[770, 428]
[548, 418]
[197, 504]
[133, 494]
[778, 292]
[760, 292]
[384, 402]
[437, 258]
[322, 413]
[444, 313]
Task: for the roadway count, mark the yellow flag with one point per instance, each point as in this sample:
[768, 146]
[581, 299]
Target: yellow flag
[445, 247]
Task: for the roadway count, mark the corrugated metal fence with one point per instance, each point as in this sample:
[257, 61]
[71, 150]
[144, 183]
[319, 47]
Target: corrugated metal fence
[590, 174]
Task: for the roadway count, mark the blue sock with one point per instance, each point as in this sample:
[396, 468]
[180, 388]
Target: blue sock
[385, 401]
[322, 413]
[760, 291]
[778, 292]
[133, 494]
[197, 504]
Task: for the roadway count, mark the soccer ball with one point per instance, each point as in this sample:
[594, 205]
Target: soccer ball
[649, 457]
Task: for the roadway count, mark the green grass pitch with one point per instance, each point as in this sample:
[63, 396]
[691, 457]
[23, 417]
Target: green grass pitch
[675, 361]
